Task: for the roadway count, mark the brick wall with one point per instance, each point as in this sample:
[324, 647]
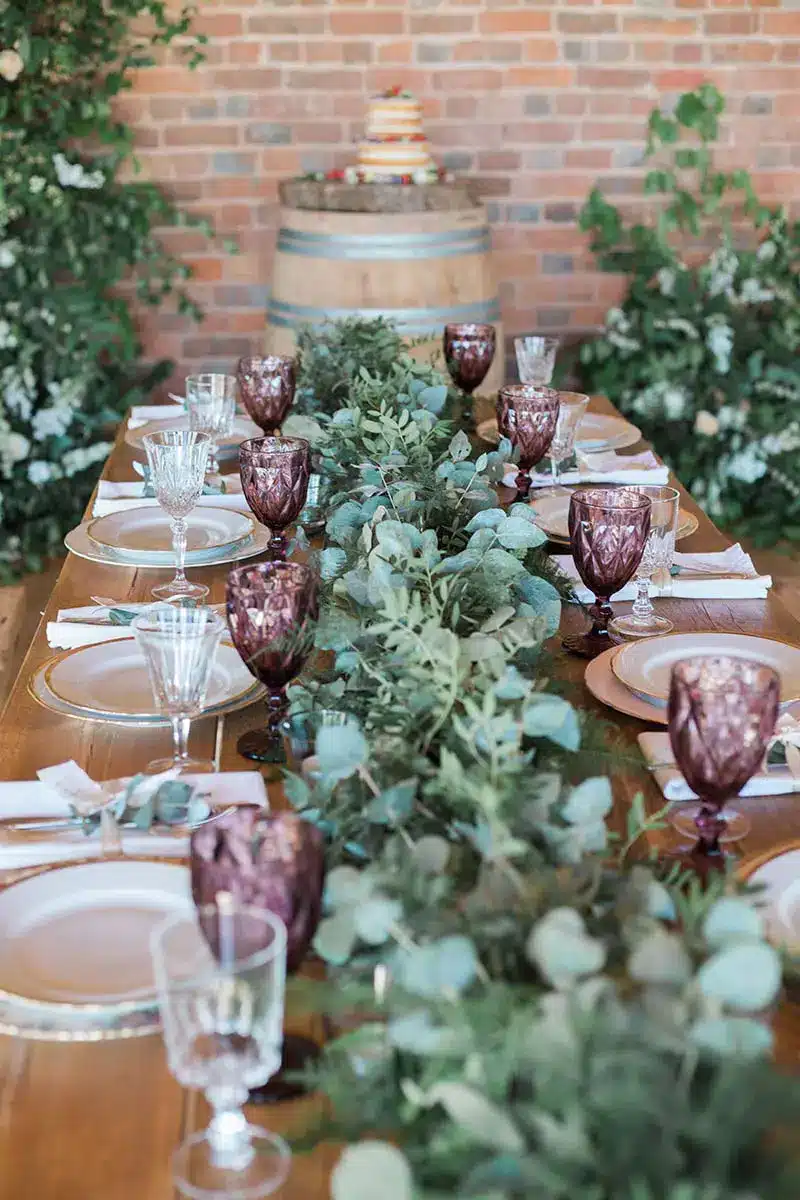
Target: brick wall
[537, 100]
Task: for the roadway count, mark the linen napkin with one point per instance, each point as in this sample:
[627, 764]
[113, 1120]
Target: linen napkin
[86, 626]
[143, 414]
[774, 781]
[116, 497]
[603, 467]
[722, 575]
[41, 798]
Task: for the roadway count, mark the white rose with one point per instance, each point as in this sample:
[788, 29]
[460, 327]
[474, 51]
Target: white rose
[706, 423]
[7, 256]
[11, 65]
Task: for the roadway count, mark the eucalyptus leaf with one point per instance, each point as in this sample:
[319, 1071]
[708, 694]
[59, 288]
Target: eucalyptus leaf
[590, 801]
[516, 534]
[340, 750]
[459, 447]
[744, 976]
[446, 966]
[483, 1121]
[367, 1168]
[375, 918]
[554, 718]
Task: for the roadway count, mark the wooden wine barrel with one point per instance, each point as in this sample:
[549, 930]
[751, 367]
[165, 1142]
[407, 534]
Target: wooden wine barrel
[418, 255]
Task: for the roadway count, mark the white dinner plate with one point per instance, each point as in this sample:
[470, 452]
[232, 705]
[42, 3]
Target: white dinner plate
[780, 900]
[147, 531]
[605, 687]
[243, 428]
[80, 544]
[111, 679]
[596, 431]
[78, 936]
[645, 666]
[551, 510]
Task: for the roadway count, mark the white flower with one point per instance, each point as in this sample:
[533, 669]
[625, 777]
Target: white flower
[52, 421]
[36, 184]
[351, 175]
[7, 255]
[73, 174]
[674, 403]
[719, 341]
[721, 271]
[75, 461]
[11, 65]
[665, 278]
[766, 251]
[40, 472]
[751, 292]
[747, 465]
[8, 339]
[706, 423]
[13, 448]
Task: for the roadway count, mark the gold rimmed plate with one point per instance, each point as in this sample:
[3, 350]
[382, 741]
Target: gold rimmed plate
[551, 510]
[147, 531]
[110, 680]
[645, 666]
[81, 545]
[597, 431]
[243, 428]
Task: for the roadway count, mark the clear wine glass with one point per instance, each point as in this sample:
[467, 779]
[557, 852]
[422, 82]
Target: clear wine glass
[221, 975]
[721, 714]
[536, 358]
[179, 645]
[177, 459]
[571, 407]
[659, 549]
[211, 405]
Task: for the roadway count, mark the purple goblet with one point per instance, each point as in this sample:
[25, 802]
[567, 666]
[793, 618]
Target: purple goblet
[721, 713]
[266, 386]
[272, 608]
[608, 529]
[272, 862]
[469, 352]
[527, 415]
[274, 473]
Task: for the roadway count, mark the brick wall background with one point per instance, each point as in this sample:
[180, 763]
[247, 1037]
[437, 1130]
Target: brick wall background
[535, 99]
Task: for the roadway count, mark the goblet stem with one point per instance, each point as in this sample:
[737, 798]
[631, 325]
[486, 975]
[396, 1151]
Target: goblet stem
[523, 483]
[278, 545]
[180, 737]
[266, 745]
[643, 606]
[228, 1132]
[710, 827]
[179, 546]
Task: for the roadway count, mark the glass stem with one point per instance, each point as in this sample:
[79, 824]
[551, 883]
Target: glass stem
[643, 606]
[710, 824]
[212, 467]
[179, 546]
[228, 1133]
[180, 737]
[554, 465]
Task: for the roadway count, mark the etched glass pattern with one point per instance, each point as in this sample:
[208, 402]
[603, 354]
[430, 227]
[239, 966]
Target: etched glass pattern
[177, 459]
[527, 416]
[267, 387]
[469, 351]
[536, 358]
[659, 549]
[275, 473]
[211, 405]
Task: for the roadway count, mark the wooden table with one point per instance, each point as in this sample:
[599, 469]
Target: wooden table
[98, 1122]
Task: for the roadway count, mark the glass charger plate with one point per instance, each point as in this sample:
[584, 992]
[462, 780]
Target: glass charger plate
[75, 938]
[80, 544]
[243, 428]
[133, 532]
[597, 431]
[645, 666]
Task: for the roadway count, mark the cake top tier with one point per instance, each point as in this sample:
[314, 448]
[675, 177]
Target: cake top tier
[394, 115]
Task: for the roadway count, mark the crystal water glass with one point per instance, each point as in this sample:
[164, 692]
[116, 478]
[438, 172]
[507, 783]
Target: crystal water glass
[211, 405]
[536, 358]
[659, 549]
[469, 351]
[571, 408]
[221, 975]
[608, 528]
[179, 645]
[177, 459]
[721, 715]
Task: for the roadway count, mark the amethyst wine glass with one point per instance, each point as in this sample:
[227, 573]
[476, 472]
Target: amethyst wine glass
[266, 386]
[608, 529]
[721, 713]
[272, 608]
[270, 862]
[469, 352]
[274, 473]
[527, 415]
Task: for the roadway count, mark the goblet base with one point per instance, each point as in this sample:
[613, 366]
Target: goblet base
[298, 1053]
[696, 858]
[175, 592]
[199, 1174]
[631, 627]
[184, 766]
[262, 745]
[736, 824]
[588, 645]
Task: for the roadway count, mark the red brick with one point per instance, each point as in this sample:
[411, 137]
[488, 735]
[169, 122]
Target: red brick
[395, 52]
[540, 77]
[248, 80]
[540, 50]
[514, 21]
[589, 23]
[658, 26]
[785, 24]
[206, 269]
[687, 52]
[611, 77]
[744, 51]
[377, 24]
[218, 25]
[426, 23]
[244, 52]
[596, 159]
[725, 24]
[276, 24]
[201, 135]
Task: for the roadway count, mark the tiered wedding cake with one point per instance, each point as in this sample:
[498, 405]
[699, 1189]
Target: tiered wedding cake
[395, 146]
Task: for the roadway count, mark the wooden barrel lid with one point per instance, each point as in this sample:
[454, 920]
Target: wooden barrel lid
[333, 196]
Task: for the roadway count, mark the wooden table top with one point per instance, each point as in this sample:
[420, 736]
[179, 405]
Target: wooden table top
[99, 1121]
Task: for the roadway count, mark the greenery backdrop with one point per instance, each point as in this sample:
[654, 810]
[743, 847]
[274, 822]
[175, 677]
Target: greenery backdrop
[704, 351]
[70, 232]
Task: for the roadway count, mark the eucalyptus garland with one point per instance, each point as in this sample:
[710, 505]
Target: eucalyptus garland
[523, 1011]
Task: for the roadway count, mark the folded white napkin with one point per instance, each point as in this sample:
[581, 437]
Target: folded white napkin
[115, 497]
[692, 585]
[143, 414]
[603, 467]
[40, 799]
[656, 748]
[78, 626]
